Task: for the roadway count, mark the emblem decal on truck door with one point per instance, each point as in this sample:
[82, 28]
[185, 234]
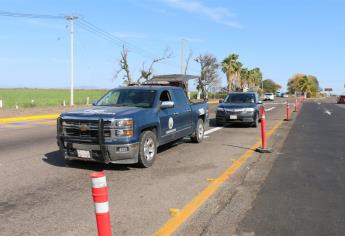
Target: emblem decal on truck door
[171, 123]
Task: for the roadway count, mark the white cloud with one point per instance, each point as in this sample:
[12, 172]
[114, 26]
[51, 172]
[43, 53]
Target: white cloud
[219, 15]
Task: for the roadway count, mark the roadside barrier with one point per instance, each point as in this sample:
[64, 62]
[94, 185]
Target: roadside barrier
[296, 105]
[287, 111]
[100, 199]
[263, 148]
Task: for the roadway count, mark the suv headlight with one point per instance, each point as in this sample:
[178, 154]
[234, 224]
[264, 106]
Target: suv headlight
[248, 110]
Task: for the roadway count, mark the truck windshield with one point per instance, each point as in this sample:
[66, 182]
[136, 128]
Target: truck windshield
[240, 98]
[128, 97]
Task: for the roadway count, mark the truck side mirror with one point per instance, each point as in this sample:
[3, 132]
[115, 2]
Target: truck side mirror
[221, 101]
[167, 104]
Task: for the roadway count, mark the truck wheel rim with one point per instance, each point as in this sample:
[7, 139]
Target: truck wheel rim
[149, 149]
[201, 130]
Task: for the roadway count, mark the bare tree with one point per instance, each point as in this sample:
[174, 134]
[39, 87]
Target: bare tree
[187, 61]
[124, 67]
[146, 74]
[208, 74]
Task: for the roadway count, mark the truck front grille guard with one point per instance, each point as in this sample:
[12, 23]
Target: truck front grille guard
[59, 135]
[103, 150]
[101, 141]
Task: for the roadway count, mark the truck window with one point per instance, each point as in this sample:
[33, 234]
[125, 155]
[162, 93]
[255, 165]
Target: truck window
[165, 96]
[180, 97]
[128, 97]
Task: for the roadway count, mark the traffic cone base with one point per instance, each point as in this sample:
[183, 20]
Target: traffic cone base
[263, 150]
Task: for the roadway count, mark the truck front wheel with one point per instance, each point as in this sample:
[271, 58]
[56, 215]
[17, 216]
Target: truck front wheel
[198, 134]
[147, 148]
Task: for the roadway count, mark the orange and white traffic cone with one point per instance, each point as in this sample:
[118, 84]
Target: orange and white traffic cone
[263, 148]
[100, 198]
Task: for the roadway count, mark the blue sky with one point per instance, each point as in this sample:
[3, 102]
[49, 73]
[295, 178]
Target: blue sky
[282, 37]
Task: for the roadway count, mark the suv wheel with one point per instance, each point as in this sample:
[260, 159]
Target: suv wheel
[256, 121]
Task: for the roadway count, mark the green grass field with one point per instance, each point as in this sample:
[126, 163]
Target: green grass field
[23, 97]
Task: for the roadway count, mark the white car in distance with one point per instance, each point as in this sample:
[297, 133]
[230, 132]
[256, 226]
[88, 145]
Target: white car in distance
[269, 96]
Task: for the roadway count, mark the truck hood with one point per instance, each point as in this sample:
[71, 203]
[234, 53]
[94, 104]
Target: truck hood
[237, 105]
[103, 112]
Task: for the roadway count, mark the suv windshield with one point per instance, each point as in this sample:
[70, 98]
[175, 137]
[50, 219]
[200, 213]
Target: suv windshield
[240, 98]
[128, 97]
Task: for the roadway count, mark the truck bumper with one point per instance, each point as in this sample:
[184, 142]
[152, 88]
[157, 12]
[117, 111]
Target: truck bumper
[117, 154]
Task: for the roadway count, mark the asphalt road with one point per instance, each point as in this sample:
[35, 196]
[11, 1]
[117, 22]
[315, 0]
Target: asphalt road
[297, 190]
[41, 195]
[305, 192]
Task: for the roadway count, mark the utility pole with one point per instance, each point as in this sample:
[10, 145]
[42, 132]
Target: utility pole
[182, 55]
[71, 31]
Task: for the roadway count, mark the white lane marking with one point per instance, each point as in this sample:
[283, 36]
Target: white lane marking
[319, 103]
[270, 109]
[328, 112]
[212, 130]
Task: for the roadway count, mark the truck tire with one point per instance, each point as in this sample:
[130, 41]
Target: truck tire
[147, 148]
[198, 134]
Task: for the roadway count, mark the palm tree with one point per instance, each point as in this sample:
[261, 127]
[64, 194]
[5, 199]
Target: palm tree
[244, 74]
[237, 80]
[255, 78]
[229, 67]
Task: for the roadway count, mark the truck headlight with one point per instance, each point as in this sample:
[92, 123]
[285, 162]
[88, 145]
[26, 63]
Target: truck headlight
[124, 123]
[248, 110]
[124, 133]
[124, 128]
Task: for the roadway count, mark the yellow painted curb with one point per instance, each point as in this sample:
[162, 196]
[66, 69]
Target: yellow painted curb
[176, 221]
[213, 102]
[27, 118]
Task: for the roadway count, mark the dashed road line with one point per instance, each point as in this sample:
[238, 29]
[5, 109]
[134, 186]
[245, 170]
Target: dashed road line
[212, 130]
[270, 109]
[328, 112]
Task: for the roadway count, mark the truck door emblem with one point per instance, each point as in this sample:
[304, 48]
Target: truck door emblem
[171, 123]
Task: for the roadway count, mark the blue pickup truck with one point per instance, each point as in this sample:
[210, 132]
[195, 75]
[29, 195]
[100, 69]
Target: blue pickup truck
[128, 124]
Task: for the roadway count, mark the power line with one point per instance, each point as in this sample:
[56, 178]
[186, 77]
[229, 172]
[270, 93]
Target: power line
[26, 15]
[88, 26]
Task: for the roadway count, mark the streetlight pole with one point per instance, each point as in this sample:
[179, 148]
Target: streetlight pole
[71, 31]
[182, 56]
